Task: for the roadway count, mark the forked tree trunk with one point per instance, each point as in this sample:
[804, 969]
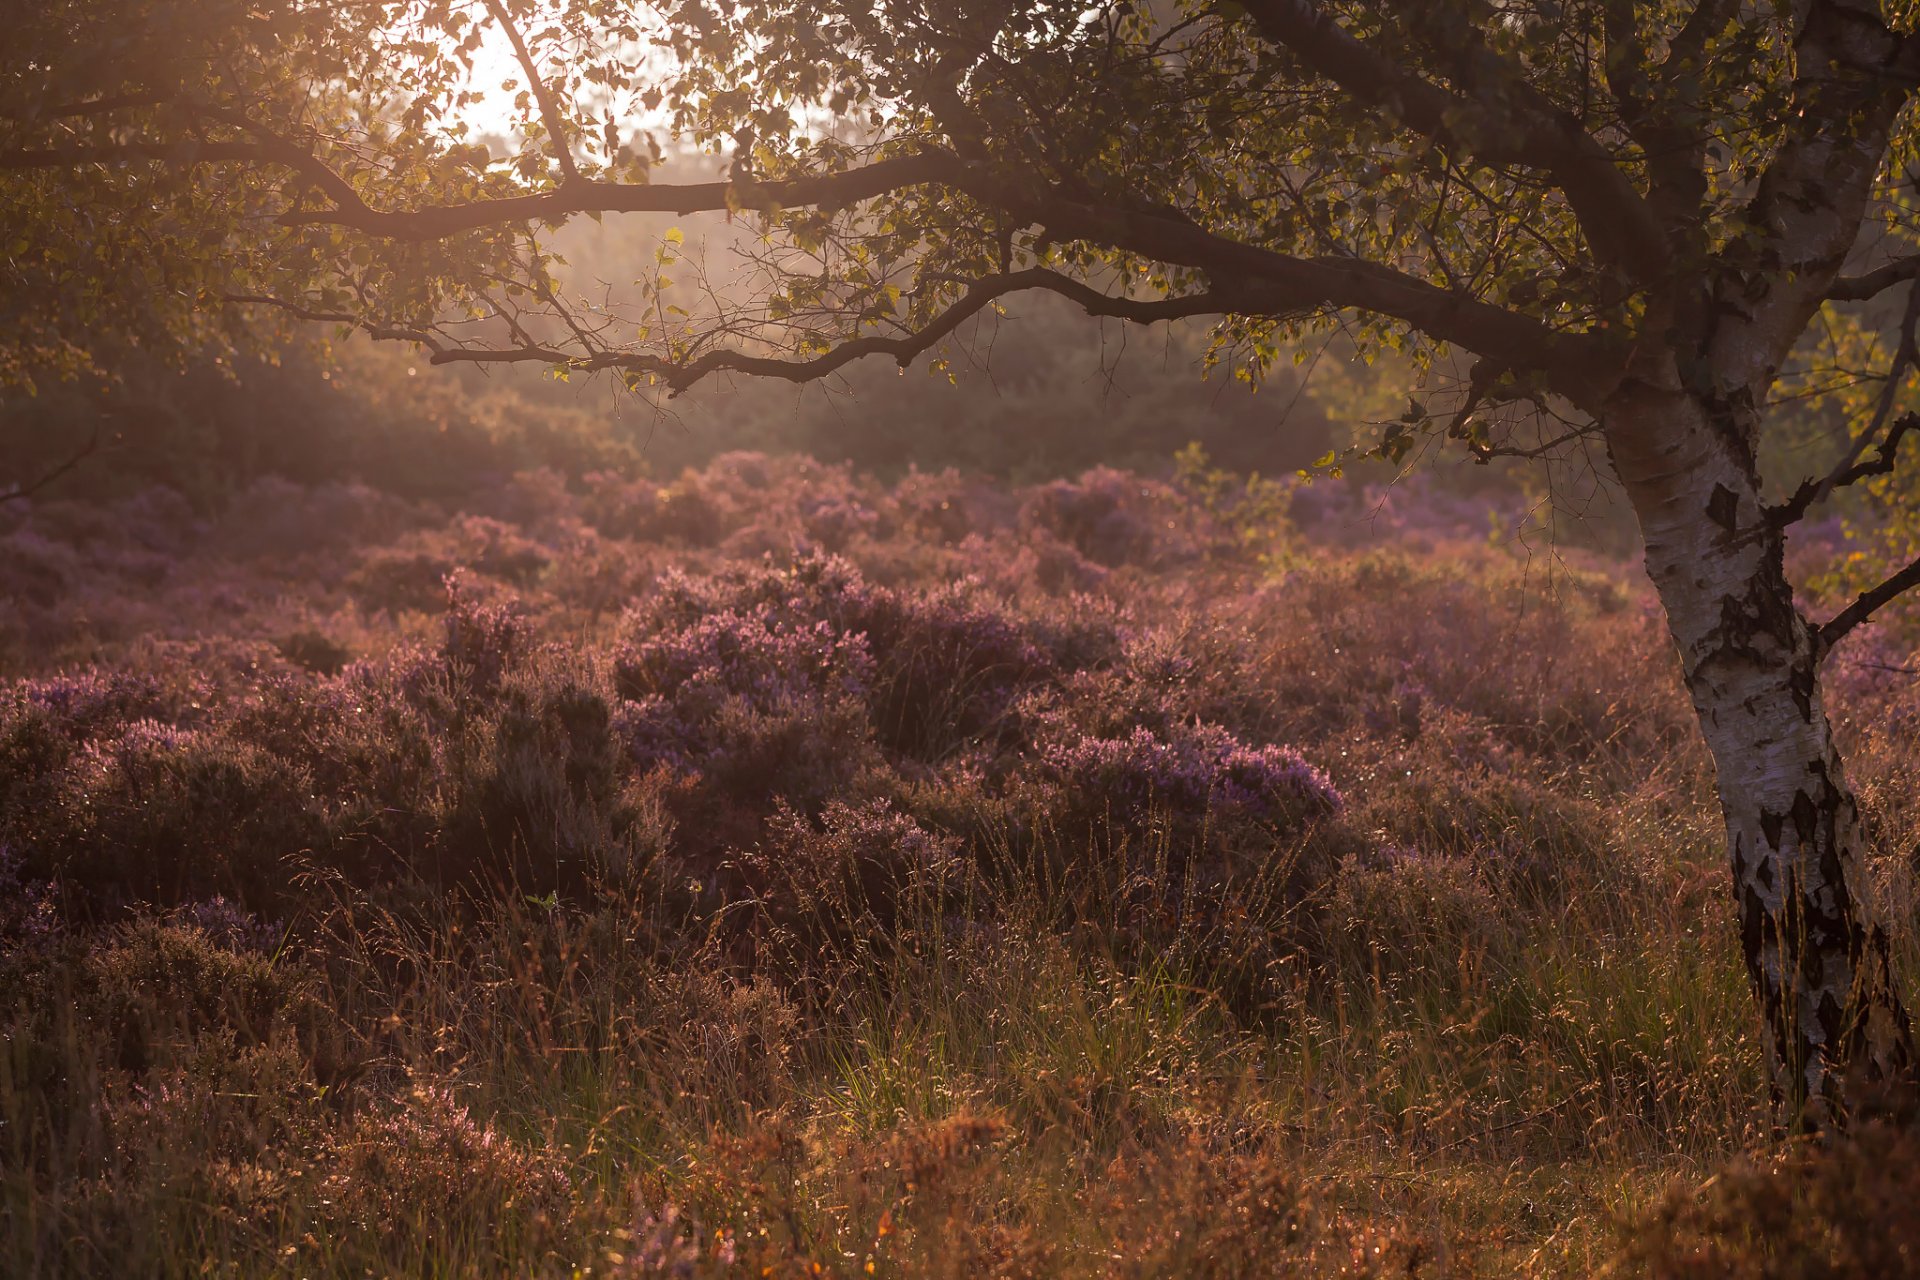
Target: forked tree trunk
[1815, 947]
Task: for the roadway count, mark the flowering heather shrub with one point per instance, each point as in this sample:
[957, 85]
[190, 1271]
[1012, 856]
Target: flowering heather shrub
[538, 802]
[1197, 771]
[1145, 679]
[1482, 638]
[372, 742]
[412, 572]
[757, 702]
[942, 665]
[536, 501]
[812, 588]
[482, 638]
[755, 659]
[393, 1178]
[858, 875]
[951, 663]
[292, 524]
[163, 814]
[939, 506]
[834, 521]
[686, 513]
[753, 902]
[29, 913]
[1110, 517]
[89, 702]
[155, 519]
[1412, 512]
[689, 514]
[792, 504]
[316, 652]
[757, 656]
[35, 569]
[157, 988]
[618, 506]
[228, 925]
[1059, 567]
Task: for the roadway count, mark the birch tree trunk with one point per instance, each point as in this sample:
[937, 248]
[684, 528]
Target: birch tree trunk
[1815, 946]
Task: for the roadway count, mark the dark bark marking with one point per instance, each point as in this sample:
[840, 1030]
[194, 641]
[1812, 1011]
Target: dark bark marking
[1763, 610]
[1800, 683]
[1723, 508]
[1753, 932]
[1830, 869]
[1832, 1018]
[1805, 818]
[1770, 824]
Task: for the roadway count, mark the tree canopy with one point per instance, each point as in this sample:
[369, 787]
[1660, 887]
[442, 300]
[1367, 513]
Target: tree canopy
[1516, 180]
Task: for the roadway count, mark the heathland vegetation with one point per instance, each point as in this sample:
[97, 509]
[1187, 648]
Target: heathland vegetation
[775, 867]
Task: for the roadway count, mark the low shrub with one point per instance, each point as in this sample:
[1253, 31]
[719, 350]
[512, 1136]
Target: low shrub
[1841, 1210]
[426, 1182]
[864, 878]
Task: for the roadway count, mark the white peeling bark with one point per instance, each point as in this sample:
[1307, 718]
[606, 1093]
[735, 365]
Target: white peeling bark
[1815, 948]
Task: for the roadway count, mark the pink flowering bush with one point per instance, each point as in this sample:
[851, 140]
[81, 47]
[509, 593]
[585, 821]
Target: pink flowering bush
[753, 700]
[482, 638]
[1200, 771]
[1112, 517]
[857, 877]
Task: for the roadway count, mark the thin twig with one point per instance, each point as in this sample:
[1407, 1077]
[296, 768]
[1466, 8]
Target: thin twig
[549, 108]
[1850, 469]
[21, 491]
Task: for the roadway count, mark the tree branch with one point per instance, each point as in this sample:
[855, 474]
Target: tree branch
[1526, 130]
[1513, 341]
[376, 329]
[1871, 284]
[1516, 341]
[542, 95]
[848, 186]
[1867, 605]
[680, 375]
[1490, 452]
[92, 107]
[289, 154]
[1850, 85]
[1269, 285]
[178, 153]
[267, 149]
[1302, 284]
[31, 487]
[1675, 151]
[1850, 469]
[1291, 285]
[1689, 45]
[1810, 492]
